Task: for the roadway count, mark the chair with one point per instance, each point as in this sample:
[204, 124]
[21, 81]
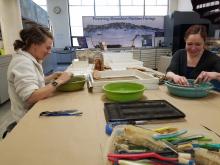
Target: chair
[9, 129]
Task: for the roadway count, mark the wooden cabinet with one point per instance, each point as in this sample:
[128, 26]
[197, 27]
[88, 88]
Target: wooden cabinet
[4, 62]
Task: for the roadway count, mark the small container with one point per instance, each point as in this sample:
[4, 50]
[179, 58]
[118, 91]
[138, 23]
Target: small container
[98, 64]
[76, 83]
[124, 91]
[192, 91]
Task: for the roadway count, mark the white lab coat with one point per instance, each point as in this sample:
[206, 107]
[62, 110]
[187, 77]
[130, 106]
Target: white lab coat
[25, 75]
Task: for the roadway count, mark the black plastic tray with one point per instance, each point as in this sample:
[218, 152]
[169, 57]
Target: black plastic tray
[141, 110]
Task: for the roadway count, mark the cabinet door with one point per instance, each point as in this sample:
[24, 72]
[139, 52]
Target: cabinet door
[49, 63]
[65, 58]
[4, 84]
[4, 62]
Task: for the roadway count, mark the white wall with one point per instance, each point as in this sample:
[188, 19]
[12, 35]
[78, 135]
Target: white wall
[184, 5]
[179, 5]
[11, 23]
[173, 6]
[60, 23]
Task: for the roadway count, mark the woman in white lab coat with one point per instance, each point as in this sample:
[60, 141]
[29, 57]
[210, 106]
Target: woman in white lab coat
[26, 82]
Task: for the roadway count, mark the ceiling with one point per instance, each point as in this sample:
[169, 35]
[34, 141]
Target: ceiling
[209, 9]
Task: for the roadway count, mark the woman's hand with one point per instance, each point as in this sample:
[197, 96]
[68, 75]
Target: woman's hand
[55, 75]
[64, 77]
[48, 90]
[181, 80]
[206, 76]
[52, 76]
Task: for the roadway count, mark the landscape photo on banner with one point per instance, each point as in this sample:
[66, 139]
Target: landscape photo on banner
[124, 31]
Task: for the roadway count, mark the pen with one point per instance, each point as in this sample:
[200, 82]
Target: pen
[138, 122]
[61, 113]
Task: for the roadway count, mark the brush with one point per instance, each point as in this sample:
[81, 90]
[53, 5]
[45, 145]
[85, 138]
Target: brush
[141, 136]
[206, 157]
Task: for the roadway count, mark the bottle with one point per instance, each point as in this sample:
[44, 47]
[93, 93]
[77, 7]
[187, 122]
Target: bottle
[98, 62]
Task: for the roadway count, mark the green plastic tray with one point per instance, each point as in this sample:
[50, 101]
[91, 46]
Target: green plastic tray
[124, 91]
[74, 84]
[192, 91]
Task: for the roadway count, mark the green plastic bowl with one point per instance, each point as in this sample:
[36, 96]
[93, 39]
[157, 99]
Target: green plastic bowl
[74, 84]
[124, 91]
[192, 91]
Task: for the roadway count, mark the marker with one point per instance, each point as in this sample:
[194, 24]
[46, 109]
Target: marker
[140, 122]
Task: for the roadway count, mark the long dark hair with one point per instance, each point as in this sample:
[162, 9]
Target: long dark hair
[32, 35]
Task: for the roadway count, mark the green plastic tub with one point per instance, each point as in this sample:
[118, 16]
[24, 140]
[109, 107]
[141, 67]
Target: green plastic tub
[192, 91]
[124, 91]
[74, 84]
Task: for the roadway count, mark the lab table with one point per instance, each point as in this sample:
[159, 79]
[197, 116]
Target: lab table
[82, 140]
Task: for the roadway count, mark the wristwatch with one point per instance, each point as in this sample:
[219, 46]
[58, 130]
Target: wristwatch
[54, 83]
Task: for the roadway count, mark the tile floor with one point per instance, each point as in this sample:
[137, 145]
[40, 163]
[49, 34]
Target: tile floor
[5, 113]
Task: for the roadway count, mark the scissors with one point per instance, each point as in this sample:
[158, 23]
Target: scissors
[61, 113]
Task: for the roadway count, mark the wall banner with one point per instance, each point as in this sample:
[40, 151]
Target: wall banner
[124, 31]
